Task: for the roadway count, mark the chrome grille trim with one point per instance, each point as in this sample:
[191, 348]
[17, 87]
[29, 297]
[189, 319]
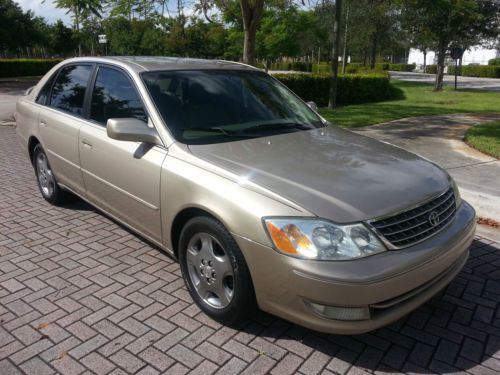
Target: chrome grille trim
[412, 226]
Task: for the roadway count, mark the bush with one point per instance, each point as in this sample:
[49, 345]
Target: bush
[26, 67]
[321, 68]
[396, 67]
[484, 71]
[382, 66]
[494, 62]
[431, 69]
[352, 88]
[402, 67]
[295, 66]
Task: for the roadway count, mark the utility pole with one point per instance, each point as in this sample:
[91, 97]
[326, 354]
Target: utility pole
[332, 104]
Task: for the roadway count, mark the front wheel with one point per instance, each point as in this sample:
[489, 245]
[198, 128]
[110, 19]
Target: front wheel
[215, 271]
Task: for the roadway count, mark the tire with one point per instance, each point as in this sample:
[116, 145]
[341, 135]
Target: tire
[216, 274]
[47, 183]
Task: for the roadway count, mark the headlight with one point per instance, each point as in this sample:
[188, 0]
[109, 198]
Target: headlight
[458, 198]
[322, 240]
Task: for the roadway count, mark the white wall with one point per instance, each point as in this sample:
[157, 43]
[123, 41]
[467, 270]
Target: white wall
[475, 55]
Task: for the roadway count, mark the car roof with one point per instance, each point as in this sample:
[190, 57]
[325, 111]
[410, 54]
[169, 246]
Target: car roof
[152, 63]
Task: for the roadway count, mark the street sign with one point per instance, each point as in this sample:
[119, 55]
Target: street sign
[456, 53]
[102, 39]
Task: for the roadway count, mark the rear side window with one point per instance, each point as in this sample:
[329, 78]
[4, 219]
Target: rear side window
[43, 95]
[68, 92]
[114, 96]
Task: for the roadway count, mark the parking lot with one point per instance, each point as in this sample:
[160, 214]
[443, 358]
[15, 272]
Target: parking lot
[80, 294]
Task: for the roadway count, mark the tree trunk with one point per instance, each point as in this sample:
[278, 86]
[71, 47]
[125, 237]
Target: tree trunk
[374, 51]
[251, 14]
[440, 67]
[332, 104]
[346, 31]
[76, 10]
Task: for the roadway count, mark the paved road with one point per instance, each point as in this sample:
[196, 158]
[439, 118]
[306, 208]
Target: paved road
[439, 138]
[10, 90]
[490, 84]
[79, 294]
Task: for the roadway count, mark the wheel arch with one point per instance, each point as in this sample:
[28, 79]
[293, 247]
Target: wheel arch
[180, 220]
[32, 143]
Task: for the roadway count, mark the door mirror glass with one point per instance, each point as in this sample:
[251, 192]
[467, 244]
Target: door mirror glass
[132, 130]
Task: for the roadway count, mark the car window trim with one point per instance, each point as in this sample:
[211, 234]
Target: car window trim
[50, 81]
[77, 63]
[131, 81]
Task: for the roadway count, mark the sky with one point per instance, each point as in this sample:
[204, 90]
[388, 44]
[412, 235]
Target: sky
[47, 10]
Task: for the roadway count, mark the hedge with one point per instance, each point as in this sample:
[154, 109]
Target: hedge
[296, 66]
[494, 61]
[321, 68]
[352, 88]
[26, 67]
[484, 71]
[431, 69]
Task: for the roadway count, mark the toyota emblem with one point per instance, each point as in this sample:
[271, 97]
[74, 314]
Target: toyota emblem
[434, 219]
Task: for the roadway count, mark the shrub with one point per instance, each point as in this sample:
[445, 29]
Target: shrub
[402, 67]
[494, 61]
[352, 88]
[431, 69]
[26, 67]
[296, 66]
[321, 68]
[485, 71]
[382, 66]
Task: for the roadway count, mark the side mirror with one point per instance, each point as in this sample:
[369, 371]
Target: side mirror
[131, 129]
[313, 106]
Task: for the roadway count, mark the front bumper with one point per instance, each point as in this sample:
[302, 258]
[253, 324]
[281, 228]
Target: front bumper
[390, 284]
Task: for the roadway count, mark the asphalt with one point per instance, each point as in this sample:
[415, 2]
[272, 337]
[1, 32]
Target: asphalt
[10, 91]
[489, 84]
[440, 139]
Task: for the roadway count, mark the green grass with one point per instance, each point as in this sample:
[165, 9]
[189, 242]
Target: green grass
[485, 138]
[419, 100]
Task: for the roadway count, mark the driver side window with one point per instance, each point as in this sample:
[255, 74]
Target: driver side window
[114, 96]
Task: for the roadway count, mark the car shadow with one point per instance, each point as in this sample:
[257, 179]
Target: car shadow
[458, 330]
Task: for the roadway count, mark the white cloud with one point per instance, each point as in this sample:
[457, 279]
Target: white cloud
[46, 10]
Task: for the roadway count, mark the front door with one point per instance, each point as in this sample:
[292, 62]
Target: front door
[121, 177]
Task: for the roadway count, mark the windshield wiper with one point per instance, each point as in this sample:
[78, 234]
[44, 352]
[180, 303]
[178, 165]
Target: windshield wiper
[278, 126]
[226, 132]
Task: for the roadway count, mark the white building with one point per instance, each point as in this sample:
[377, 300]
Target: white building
[473, 56]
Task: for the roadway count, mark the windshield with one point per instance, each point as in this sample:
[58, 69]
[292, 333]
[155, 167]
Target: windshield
[212, 106]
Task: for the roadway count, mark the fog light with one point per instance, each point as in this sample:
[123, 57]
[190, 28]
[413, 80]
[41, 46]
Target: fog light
[340, 313]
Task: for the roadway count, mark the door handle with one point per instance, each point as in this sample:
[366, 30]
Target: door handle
[86, 144]
[43, 123]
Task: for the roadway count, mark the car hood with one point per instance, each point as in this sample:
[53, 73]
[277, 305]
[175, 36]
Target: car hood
[333, 173]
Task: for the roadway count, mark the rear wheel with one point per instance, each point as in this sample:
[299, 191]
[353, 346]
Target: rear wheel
[215, 271]
[46, 180]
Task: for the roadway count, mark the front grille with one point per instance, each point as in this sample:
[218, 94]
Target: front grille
[414, 225]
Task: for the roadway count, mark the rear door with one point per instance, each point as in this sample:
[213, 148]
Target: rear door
[60, 122]
[121, 177]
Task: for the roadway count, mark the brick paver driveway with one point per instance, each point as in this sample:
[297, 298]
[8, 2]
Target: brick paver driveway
[79, 294]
